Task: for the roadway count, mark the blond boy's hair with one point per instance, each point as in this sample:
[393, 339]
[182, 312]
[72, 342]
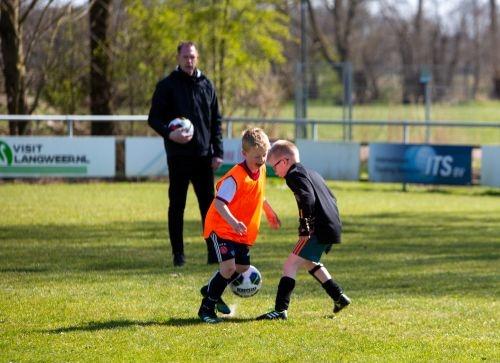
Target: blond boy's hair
[284, 148]
[255, 137]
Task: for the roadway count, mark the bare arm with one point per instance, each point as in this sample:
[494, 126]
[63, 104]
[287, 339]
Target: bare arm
[271, 216]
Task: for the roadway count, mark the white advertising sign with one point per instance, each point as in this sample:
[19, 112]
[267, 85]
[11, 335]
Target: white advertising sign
[232, 151]
[57, 157]
[332, 160]
[490, 166]
[145, 156]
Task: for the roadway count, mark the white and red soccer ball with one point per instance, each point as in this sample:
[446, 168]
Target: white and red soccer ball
[184, 123]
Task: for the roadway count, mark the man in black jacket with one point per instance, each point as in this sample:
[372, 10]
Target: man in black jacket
[186, 92]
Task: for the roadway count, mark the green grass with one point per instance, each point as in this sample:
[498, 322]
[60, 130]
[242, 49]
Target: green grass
[479, 111]
[86, 275]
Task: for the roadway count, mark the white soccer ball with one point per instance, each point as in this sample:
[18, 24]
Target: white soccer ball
[248, 283]
[182, 122]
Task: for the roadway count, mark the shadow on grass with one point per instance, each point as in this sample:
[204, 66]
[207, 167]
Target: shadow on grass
[143, 247]
[402, 251]
[126, 323]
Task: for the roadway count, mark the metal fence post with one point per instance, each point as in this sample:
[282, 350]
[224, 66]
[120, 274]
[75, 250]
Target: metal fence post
[406, 138]
[406, 133]
[229, 129]
[314, 125]
[70, 127]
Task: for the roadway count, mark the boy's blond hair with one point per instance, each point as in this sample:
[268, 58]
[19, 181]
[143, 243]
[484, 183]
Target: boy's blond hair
[255, 137]
[284, 148]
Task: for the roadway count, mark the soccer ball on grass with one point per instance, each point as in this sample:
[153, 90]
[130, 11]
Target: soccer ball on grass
[248, 283]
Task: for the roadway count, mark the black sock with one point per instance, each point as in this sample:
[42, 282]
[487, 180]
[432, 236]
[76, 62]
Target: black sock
[233, 277]
[217, 285]
[332, 289]
[285, 288]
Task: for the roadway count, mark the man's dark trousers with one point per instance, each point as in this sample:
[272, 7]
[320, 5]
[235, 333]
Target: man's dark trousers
[182, 170]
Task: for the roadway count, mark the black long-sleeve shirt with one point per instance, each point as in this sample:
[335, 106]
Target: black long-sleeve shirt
[192, 97]
[316, 203]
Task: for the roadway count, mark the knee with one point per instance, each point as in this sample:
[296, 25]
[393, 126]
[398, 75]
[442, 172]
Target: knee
[290, 268]
[227, 271]
[242, 268]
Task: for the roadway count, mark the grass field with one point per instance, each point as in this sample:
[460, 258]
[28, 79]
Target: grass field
[479, 111]
[86, 275]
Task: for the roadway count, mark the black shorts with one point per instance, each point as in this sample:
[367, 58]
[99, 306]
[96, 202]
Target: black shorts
[225, 250]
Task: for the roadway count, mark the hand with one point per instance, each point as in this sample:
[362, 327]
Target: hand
[216, 163]
[180, 136]
[240, 228]
[273, 220]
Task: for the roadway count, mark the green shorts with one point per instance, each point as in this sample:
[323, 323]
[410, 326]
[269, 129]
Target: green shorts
[311, 249]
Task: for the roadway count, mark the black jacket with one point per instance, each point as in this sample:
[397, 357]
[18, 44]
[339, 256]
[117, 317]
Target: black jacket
[317, 205]
[192, 97]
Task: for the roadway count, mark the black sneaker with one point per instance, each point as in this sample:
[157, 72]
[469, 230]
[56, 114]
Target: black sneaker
[341, 303]
[179, 259]
[220, 304]
[208, 315]
[273, 315]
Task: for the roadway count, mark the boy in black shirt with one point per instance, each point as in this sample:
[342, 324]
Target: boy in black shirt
[319, 228]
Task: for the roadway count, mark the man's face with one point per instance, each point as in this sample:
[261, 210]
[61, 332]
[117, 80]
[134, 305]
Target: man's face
[188, 59]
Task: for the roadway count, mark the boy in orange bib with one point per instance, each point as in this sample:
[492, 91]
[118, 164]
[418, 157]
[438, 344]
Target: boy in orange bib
[233, 220]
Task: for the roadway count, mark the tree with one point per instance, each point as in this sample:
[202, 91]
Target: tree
[23, 25]
[14, 69]
[144, 47]
[100, 87]
[494, 39]
[67, 76]
[241, 42]
[238, 42]
[342, 15]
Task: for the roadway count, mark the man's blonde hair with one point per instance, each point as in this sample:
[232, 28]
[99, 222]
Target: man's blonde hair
[255, 137]
[284, 148]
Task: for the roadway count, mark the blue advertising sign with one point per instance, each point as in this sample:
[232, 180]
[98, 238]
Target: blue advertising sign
[420, 163]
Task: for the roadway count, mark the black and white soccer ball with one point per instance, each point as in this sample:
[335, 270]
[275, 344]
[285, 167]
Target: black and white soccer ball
[182, 122]
[248, 283]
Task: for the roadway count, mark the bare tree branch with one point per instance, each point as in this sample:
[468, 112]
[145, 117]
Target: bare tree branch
[319, 36]
[29, 8]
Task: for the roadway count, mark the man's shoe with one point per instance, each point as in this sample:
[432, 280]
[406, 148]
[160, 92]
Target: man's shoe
[220, 305]
[273, 315]
[179, 259]
[341, 303]
[208, 315]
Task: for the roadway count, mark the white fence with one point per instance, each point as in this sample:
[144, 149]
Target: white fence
[59, 154]
[314, 125]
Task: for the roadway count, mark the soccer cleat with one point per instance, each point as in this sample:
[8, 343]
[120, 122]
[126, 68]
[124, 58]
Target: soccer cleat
[341, 303]
[208, 315]
[273, 315]
[220, 304]
[179, 259]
